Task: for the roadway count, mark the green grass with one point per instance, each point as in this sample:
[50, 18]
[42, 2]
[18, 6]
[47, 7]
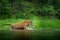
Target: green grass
[50, 23]
[39, 24]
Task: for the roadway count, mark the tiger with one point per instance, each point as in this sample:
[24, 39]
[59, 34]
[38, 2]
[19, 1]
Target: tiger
[22, 25]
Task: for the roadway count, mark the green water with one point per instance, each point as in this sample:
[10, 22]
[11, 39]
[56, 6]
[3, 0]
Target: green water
[29, 34]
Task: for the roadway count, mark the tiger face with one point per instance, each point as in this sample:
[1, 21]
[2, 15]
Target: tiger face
[22, 25]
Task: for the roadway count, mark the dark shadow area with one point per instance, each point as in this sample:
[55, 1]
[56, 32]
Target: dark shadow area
[29, 34]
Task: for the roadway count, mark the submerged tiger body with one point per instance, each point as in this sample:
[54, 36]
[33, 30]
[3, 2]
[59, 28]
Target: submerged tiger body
[22, 25]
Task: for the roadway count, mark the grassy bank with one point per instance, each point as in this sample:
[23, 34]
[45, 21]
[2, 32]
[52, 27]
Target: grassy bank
[39, 23]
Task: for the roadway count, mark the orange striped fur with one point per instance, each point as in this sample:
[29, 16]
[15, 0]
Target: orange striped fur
[22, 25]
